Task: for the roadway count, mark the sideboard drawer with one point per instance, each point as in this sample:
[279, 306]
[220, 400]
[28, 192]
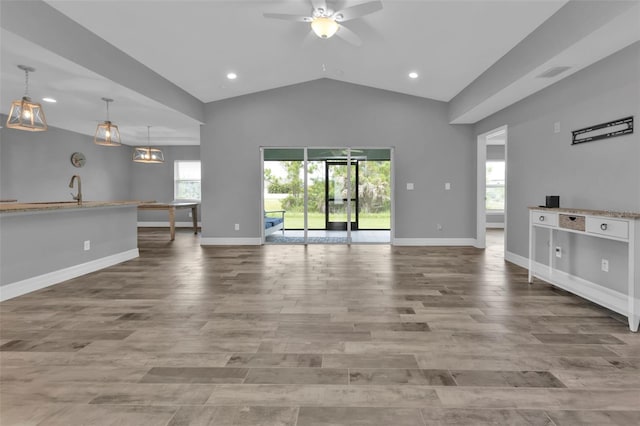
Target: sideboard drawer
[609, 227]
[544, 218]
[574, 222]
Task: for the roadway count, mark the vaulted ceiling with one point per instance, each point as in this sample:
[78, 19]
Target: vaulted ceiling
[162, 59]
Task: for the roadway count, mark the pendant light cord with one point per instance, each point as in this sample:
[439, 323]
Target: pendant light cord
[107, 110]
[26, 83]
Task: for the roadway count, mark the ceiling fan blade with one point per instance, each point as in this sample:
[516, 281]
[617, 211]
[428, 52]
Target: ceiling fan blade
[357, 11]
[349, 36]
[286, 17]
[319, 4]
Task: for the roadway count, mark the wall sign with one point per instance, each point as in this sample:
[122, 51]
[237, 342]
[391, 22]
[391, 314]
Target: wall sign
[611, 129]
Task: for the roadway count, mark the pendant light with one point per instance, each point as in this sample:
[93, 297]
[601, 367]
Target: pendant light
[24, 114]
[107, 133]
[148, 154]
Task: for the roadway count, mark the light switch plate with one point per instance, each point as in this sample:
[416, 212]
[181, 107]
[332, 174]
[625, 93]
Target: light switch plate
[409, 186]
[447, 186]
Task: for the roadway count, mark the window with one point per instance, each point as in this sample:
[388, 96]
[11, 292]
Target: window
[495, 186]
[186, 179]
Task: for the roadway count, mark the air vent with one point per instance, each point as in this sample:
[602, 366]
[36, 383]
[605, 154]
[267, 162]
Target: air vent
[552, 72]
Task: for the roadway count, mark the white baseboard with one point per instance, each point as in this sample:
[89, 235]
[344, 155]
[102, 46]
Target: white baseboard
[165, 224]
[495, 225]
[19, 288]
[597, 293]
[212, 241]
[434, 242]
[516, 259]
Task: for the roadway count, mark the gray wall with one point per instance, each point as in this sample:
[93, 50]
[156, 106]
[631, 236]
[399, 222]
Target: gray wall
[603, 174]
[155, 182]
[428, 152]
[494, 218]
[495, 152]
[38, 243]
[35, 166]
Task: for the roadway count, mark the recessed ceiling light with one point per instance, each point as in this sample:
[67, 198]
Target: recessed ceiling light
[50, 100]
[232, 76]
[413, 75]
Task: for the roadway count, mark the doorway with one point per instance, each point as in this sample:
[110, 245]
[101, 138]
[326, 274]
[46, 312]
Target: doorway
[492, 186]
[341, 181]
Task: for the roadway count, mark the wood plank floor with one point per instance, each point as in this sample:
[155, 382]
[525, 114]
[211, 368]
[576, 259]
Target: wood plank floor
[317, 335]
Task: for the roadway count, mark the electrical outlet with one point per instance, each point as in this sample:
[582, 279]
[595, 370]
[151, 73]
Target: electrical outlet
[447, 186]
[237, 227]
[410, 186]
[190, 214]
[559, 252]
[605, 265]
[439, 227]
[87, 245]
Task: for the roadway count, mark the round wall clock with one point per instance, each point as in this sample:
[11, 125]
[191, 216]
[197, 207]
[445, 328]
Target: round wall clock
[78, 159]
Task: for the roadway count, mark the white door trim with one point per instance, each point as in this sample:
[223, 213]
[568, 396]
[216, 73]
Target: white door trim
[481, 214]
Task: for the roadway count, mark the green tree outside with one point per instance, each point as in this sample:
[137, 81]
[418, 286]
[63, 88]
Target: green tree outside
[286, 192]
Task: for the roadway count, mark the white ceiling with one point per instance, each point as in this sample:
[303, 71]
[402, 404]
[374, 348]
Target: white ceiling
[79, 92]
[194, 44]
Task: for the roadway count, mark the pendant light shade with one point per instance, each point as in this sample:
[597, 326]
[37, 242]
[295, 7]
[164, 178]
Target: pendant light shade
[148, 154]
[107, 133]
[25, 114]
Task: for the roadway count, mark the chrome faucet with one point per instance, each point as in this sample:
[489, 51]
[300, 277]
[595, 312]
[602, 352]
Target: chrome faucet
[79, 196]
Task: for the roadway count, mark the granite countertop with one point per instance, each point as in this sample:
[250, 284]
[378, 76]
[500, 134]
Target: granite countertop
[58, 205]
[604, 213]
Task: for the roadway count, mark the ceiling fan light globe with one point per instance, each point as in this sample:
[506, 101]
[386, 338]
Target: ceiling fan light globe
[324, 27]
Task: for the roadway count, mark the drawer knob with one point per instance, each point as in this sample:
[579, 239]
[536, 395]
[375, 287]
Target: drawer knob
[603, 226]
[541, 218]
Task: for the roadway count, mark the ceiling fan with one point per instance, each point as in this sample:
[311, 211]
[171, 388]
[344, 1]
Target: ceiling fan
[326, 22]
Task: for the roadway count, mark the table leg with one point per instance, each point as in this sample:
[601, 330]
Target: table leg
[633, 279]
[551, 250]
[532, 246]
[172, 222]
[194, 215]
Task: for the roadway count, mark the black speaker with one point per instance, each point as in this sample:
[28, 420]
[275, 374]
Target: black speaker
[552, 201]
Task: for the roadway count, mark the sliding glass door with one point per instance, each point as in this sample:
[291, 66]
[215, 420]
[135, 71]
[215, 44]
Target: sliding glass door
[327, 195]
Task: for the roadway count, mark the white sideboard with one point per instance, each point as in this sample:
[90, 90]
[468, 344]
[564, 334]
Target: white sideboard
[617, 226]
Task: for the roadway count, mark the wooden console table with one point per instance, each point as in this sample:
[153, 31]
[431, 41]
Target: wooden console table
[172, 207]
[617, 226]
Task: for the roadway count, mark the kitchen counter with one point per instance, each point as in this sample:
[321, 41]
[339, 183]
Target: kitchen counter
[57, 205]
[50, 242]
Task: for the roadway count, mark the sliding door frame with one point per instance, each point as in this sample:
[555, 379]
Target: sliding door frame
[305, 167]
